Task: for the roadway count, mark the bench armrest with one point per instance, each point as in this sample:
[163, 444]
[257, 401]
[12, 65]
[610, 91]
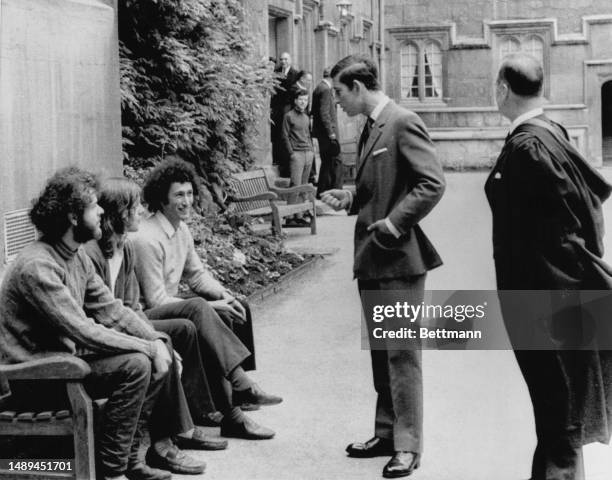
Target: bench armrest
[259, 196]
[283, 192]
[53, 367]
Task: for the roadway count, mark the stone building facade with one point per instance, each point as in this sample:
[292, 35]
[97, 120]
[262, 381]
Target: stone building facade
[316, 36]
[442, 59]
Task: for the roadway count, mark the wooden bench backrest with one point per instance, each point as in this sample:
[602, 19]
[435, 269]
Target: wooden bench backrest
[246, 184]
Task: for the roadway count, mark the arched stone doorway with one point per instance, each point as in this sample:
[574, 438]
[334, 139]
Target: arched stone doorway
[606, 121]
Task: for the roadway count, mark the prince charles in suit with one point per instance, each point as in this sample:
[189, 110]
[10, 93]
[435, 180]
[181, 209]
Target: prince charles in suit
[399, 180]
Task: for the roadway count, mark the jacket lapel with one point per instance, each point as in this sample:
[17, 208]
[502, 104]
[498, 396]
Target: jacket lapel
[375, 134]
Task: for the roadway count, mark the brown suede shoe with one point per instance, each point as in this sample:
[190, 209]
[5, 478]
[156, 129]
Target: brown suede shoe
[254, 396]
[199, 441]
[245, 428]
[175, 461]
[141, 471]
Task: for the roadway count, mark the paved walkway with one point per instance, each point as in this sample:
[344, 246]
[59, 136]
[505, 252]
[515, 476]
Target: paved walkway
[478, 421]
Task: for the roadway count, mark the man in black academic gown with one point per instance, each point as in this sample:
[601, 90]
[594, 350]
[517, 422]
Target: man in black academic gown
[547, 236]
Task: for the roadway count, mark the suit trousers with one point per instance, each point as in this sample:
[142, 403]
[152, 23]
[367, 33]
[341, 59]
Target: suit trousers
[398, 377]
[186, 397]
[332, 171]
[244, 332]
[221, 350]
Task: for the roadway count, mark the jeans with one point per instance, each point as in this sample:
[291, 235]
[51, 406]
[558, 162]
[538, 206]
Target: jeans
[131, 388]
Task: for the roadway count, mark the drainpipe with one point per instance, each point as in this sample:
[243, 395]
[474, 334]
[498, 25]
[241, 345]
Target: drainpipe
[381, 40]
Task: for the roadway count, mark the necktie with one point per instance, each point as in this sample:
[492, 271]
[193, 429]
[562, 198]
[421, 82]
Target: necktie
[365, 133]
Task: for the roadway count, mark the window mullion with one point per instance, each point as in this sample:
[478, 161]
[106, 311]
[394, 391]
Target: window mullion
[421, 60]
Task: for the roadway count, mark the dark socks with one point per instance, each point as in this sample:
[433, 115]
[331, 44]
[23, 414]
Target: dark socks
[239, 379]
[234, 415]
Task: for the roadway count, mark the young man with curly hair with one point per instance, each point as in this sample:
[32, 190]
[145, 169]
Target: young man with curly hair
[164, 255]
[52, 301]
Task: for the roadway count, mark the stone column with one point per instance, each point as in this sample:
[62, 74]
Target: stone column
[60, 102]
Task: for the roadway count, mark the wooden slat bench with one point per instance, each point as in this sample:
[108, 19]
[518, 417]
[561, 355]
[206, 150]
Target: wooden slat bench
[254, 196]
[78, 422]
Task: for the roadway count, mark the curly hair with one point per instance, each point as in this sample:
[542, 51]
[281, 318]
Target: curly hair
[69, 190]
[117, 196]
[159, 180]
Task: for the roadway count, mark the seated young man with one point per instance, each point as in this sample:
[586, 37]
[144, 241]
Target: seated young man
[187, 388]
[51, 301]
[165, 254]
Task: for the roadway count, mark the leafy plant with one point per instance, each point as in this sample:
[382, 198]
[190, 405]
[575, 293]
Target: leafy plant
[190, 85]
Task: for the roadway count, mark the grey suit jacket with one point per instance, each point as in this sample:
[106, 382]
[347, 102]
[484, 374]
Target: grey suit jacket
[398, 176]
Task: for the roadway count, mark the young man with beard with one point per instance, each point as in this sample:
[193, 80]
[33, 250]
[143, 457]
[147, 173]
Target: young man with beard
[51, 301]
[164, 255]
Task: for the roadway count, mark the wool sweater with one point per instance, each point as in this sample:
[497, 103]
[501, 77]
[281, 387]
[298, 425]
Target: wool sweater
[163, 257]
[52, 300]
[296, 132]
[126, 284]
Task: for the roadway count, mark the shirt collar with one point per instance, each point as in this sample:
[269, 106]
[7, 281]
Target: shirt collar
[524, 117]
[379, 108]
[165, 224]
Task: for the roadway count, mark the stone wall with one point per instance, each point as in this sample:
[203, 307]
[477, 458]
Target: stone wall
[575, 36]
[60, 102]
[312, 32]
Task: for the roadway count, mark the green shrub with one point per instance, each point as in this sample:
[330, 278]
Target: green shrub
[190, 85]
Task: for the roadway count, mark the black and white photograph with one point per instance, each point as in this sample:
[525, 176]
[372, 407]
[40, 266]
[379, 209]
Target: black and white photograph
[305, 239]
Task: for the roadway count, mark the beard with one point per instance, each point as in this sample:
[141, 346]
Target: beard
[84, 233]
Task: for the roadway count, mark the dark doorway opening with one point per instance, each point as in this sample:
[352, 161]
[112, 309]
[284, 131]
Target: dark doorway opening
[606, 121]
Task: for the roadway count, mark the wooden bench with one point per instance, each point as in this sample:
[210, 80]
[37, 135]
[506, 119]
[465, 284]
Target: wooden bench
[254, 196]
[78, 422]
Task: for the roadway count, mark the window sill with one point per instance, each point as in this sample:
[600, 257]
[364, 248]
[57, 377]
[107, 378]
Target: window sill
[423, 104]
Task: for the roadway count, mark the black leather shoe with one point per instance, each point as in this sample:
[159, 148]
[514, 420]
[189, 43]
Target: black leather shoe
[199, 441]
[175, 461]
[401, 464]
[254, 395]
[141, 471]
[245, 428]
[374, 447]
